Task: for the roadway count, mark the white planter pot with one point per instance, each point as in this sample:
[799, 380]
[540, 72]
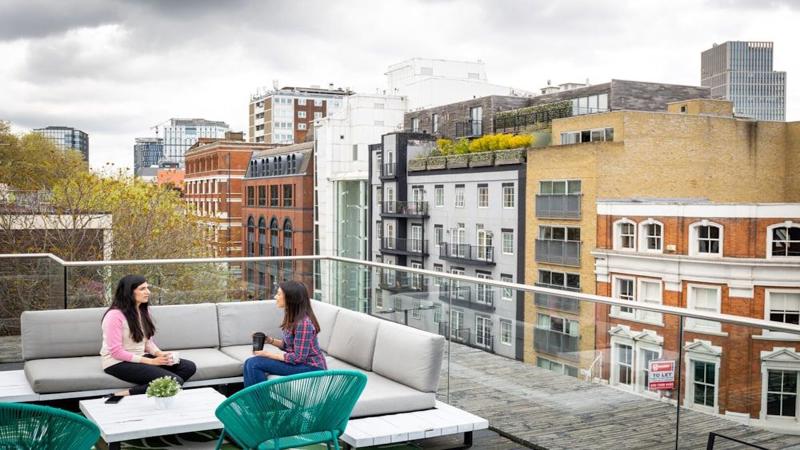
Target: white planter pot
[164, 402]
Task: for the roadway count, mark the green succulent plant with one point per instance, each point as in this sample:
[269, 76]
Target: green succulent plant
[163, 387]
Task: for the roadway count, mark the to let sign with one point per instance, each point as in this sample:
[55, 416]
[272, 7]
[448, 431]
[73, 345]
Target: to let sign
[662, 375]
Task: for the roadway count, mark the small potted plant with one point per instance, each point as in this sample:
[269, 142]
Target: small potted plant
[164, 390]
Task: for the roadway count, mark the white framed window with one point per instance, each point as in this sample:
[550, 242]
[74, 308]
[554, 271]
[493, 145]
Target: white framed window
[643, 358]
[651, 236]
[558, 233]
[704, 384]
[483, 196]
[483, 331]
[437, 313]
[415, 124]
[705, 239]
[560, 187]
[416, 313]
[301, 114]
[456, 323]
[782, 305]
[704, 298]
[625, 235]
[438, 235]
[318, 102]
[649, 292]
[484, 291]
[507, 293]
[781, 391]
[484, 247]
[438, 281]
[505, 332]
[438, 196]
[416, 239]
[509, 196]
[301, 126]
[508, 242]
[623, 289]
[459, 202]
[560, 280]
[300, 101]
[783, 240]
[623, 365]
[417, 280]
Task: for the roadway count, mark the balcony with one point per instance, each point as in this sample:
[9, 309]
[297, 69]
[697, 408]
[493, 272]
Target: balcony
[558, 206]
[466, 336]
[476, 255]
[397, 246]
[565, 253]
[469, 129]
[556, 343]
[462, 296]
[556, 302]
[404, 209]
[388, 171]
[403, 282]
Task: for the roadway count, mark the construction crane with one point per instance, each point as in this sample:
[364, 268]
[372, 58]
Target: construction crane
[155, 127]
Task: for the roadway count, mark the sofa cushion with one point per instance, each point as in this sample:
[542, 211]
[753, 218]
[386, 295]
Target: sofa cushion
[353, 338]
[61, 333]
[421, 354]
[326, 316]
[83, 373]
[239, 320]
[211, 363]
[242, 352]
[185, 326]
[384, 396]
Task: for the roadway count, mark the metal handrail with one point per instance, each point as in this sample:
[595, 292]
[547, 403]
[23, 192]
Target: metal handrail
[592, 298]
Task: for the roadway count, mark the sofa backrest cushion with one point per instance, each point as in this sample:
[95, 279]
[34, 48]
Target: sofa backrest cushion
[353, 338]
[239, 320]
[61, 333]
[408, 356]
[186, 326]
[326, 316]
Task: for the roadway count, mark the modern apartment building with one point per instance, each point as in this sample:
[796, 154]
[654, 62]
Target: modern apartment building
[742, 72]
[341, 186]
[215, 170]
[181, 134]
[695, 148]
[67, 138]
[741, 259]
[277, 215]
[286, 115]
[147, 152]
[465, 221]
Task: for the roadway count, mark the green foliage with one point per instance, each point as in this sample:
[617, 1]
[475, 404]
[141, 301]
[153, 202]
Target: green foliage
[163, 387]
[494, 142]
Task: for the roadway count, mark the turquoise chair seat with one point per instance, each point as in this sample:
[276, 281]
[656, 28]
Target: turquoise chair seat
[24, 426]
[294, 411]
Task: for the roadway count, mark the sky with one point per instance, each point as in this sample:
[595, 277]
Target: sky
[116, 68]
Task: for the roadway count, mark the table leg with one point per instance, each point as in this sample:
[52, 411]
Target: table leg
[467, 439]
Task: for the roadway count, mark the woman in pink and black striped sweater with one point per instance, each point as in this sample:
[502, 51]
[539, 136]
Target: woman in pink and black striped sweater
[128, 350]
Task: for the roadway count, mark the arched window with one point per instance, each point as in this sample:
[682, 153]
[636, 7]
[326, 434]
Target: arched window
[251, 236]
[705, 239]
[287, 237]
[651, 236]
[273, 237]
[262, 236]
[783, 240]
[625, 235]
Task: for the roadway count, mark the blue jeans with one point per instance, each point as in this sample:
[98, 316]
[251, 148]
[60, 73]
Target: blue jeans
[256, 369]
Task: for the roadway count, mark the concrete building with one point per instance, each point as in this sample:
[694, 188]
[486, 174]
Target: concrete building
[464, 221]
[67, 138]
[286, 115]
[694, 148]
[741, 259]
[181, 134]
[341, 176]
[215, 169]
[742, 72]
[277, 216]
[147, 152]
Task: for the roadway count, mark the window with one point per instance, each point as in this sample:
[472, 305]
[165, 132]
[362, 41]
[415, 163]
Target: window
[507, 293]
[560, 187]
[558, 324]
[624, 291]
[483, 331]
[559, 233]
[645, 356]
[417, 280]
[416, 239]
[438, 235]
[650, 293]
[594, 135]
[301, 114]
[459, 196]
[273, 196]
[438, 280]
[782, 393]
[484, 291]
[435, 123]
[484, 245]
[784, 240]
[318, 115]
[456, 323]
[509, 200]
[317, 102]
[556, 367]
[287, 195]
[438, 196]
[703, 383]
[483, 196]
[505, 332]
[301, 102]
[415, 124]
[508, 242]
[706, 299]
[301, 126]
[652, 236]
[706, 239]
[783, 307]
[251, 195]
[623, 362]
[437, 313]
[262, 196]
[560, 280]
[624, 235]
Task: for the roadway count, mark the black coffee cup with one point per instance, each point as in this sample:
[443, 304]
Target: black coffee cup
[258, 341]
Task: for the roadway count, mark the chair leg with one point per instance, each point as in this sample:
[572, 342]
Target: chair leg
[220, 440]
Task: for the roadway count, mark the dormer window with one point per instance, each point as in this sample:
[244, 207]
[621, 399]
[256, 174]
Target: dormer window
[625, 235]
[705, 239]
[784, 240]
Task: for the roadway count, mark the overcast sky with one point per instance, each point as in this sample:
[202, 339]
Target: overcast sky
[116, 68]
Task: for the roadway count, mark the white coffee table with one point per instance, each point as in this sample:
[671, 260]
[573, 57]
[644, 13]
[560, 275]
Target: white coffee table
[136, 416]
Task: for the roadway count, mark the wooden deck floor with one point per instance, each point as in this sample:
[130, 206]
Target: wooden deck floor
[541, 409]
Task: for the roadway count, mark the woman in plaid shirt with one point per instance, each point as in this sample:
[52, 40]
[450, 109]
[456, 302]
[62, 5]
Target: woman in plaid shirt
[299, 343]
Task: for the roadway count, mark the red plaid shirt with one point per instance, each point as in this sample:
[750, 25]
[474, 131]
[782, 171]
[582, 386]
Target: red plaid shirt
[302, 347]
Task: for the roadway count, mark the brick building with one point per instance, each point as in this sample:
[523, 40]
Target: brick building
[215, 169]
[277, 215]
[738, 259]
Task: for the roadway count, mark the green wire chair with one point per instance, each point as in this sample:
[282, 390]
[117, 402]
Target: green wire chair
[292, 411]
[24, 426]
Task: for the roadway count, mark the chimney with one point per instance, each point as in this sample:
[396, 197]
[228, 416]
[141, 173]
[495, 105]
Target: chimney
[234, 136]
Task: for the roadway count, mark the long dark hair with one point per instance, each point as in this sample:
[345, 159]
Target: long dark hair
[123, 301]
[298, 305]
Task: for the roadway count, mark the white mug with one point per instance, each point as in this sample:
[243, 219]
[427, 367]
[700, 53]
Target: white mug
[174, 358]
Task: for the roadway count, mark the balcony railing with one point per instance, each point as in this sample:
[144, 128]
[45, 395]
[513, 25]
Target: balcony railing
[469, 128]
[558, 206]
[555, 343]
[389, 170]
[403, 282]
[397, 246]
[467, 337]
[567, 253]
[556, 302]
[404, 209]
[466, 253]
[480, 299]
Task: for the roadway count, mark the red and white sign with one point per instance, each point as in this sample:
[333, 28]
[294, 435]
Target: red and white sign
[661, 376]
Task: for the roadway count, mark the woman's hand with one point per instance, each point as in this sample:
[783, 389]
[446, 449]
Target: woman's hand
[160, 360]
